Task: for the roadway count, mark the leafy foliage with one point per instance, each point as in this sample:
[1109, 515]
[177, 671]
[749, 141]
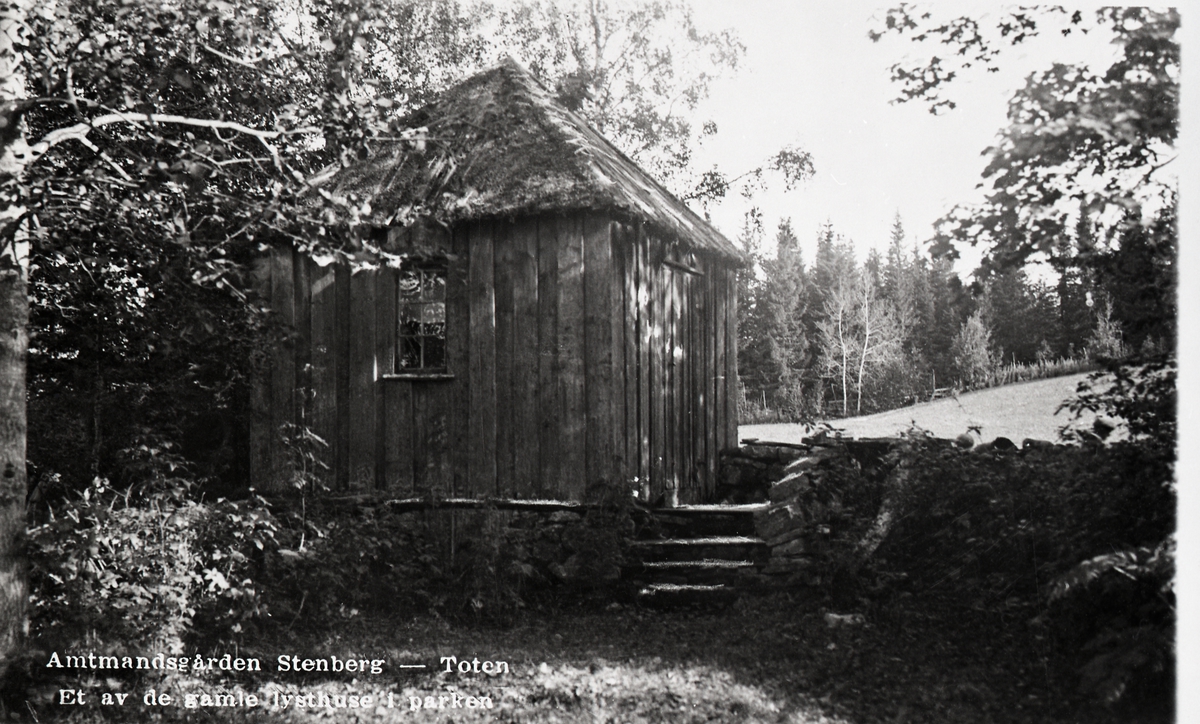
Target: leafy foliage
[1119, 608]
[1080, 144]
[1141, 392]
[974, 358]
[334, 564]
[146, 566]
[599, 55]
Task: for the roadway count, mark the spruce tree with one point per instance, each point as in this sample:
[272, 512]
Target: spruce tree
[783, 300]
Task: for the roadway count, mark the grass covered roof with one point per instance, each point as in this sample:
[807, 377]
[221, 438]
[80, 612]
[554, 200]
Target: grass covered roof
[499, 145]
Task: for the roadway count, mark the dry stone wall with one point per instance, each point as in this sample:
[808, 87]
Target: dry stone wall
[822, 507]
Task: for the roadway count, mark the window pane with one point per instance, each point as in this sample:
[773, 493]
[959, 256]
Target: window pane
[434, 313]
[408, 357]
[433, 330]
[410, 286]
[409, 323]
[435, 286]
[435, 352]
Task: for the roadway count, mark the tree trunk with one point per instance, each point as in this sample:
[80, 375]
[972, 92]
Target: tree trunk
[845, 361]
[14, 337]
[862, 362]
[14, 342]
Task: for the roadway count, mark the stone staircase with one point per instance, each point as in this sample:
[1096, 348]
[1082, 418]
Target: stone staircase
[695, 555]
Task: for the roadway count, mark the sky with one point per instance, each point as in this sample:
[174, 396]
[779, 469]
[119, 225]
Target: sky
[813, 78]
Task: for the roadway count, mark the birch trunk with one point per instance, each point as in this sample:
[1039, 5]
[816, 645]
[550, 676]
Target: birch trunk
[862, 362]
[14, 339]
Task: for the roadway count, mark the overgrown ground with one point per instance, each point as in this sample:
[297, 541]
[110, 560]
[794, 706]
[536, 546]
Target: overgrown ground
[1012, 586]
[1025, 409]
[769, 658]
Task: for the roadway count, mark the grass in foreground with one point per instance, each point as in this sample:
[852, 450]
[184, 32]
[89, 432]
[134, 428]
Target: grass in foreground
[766, 659]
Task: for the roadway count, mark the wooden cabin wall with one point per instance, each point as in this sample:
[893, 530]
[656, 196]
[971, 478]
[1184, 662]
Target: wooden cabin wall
[678, 357]
[581, 350]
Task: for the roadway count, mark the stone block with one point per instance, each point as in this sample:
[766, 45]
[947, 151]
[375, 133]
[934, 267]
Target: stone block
[791, 486]
[791, 548]
[782, 566]
[786, 536]
[777, 519]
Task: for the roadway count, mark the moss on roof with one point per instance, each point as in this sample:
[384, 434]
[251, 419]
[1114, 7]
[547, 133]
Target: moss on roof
[506, 148]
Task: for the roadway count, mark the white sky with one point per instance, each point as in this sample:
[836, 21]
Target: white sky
[812, 77]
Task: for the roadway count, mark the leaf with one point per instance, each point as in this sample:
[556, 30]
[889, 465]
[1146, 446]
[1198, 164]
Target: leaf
[216, 579]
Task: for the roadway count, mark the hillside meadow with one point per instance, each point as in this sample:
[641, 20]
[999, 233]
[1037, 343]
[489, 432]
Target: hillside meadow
[1019, 411]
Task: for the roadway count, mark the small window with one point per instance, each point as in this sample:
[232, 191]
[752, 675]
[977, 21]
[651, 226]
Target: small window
[421, 320]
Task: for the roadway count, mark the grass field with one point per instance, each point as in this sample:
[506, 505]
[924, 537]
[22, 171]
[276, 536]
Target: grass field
[767, 659]
[1026, 409]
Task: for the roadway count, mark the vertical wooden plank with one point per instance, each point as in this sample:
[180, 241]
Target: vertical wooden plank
[714, 370]
[398, 443]
[598, 347]
[283, 363]
[690, 477]
[549, 406]
[322, 291]
[710, 347]
[696, 459]
[458, 312]
[721, 307]
[502, 240]
[362, 380]
[394, 410]
[675, 416]
[341, 326]
[669, 419]
[732, 393]
[695, 358]
[629, 371]
[685, 398]
[431, 450]
[481, 473]
[571, 390]
[644, 357]
[385, 323]
[658, 369]
[616, 320]
[525, 437]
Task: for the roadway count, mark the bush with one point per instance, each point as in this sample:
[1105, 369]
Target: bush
[332, 564]
[138, 568]
[1118, 611]
[974, 360]
[1074, 538]
[102, 568]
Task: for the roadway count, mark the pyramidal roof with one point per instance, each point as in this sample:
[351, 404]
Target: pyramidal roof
[509, 149]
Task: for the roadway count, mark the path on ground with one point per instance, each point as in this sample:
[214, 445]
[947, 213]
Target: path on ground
[1018, 411]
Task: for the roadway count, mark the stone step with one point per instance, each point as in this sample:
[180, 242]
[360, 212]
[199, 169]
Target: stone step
[669, 595]
[701, 520]
[706, 572]
[724, 548]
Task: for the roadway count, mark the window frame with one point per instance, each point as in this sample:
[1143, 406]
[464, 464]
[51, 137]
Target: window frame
[426, 268]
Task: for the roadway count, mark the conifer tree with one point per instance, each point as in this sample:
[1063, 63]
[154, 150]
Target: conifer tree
[782, 345]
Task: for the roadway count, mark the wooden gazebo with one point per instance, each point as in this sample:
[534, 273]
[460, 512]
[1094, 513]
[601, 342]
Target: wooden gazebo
[571, 324]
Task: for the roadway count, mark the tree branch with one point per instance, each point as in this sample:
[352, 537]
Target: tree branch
[79, 131]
